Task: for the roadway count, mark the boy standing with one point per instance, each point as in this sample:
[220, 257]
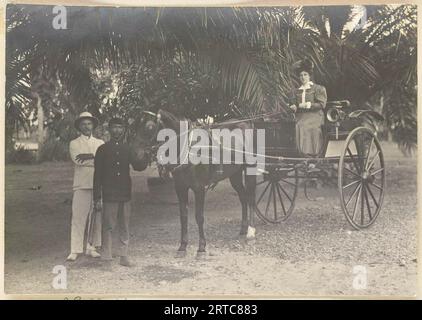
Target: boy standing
[112, 184]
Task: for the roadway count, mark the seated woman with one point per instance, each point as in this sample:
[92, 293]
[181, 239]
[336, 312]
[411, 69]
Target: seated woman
[308, 102]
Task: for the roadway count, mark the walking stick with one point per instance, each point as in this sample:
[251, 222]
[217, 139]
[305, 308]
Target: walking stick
[91, 224]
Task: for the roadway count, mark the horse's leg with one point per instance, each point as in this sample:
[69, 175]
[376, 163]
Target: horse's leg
[237, 184]
[250, 182]
[182, 194]
[199, 215]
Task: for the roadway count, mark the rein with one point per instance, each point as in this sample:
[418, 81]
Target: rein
[256, 117]
[154, 145]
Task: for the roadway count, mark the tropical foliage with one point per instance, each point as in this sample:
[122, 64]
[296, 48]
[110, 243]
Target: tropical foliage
[207, 61]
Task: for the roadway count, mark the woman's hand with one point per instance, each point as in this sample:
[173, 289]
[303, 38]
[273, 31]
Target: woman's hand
[293, 108]
[304, 105]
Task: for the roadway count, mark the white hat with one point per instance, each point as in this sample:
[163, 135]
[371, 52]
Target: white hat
[85, 115]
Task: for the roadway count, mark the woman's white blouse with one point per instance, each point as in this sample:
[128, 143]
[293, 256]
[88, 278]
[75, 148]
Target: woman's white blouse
[304, 88]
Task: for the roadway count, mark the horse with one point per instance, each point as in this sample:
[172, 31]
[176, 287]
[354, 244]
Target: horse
[200, 177]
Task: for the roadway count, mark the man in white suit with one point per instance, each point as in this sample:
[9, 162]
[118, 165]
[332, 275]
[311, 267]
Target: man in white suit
[82, 152]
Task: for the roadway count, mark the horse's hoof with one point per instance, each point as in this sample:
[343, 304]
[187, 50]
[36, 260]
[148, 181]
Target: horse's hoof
[200, 255]
[251, 233]
[181, 254]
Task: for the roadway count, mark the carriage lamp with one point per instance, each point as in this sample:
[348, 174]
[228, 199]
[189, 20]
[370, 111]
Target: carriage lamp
[335, 115]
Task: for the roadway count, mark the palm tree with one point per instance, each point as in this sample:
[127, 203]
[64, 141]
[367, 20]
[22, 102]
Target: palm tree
[248, 52]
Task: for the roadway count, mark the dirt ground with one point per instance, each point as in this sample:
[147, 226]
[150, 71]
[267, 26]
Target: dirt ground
[315, 252]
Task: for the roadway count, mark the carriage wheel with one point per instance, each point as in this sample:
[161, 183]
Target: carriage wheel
[361, 178]
[276, 194]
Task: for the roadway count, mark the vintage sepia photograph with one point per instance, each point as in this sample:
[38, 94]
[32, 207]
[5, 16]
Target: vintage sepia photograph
[221, 151]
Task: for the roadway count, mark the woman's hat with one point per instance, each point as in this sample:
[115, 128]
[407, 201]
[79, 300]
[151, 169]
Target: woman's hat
[83, 116]
[304, 65]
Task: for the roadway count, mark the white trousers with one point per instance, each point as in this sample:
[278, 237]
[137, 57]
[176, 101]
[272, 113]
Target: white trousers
[82, 211]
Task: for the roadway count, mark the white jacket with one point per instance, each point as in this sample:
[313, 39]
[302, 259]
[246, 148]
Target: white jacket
[84, 172]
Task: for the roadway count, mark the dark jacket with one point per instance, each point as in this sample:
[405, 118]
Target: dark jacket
[316, 95]
[112, 180]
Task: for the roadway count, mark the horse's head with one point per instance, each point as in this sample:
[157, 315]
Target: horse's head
[143, 135]
[144, 130]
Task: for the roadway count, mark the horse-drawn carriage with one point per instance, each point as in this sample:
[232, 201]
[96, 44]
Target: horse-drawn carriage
[351, 154]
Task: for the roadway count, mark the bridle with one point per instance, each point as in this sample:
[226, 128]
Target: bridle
[152, 145]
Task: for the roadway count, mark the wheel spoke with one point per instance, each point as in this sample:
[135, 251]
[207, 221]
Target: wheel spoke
[260, 182]
[282, 189]
[351, 184]
[281, 200]
[367, 204]
[353, 194]
[356, 203]
[269, 199]
[263, 192]
[369, 153]
[376, 186]
[372, 195]
[354, 173]
[361, 172]
[291, 183]
[263, 205]
[357, 166]
[372, 161]
[377, 171]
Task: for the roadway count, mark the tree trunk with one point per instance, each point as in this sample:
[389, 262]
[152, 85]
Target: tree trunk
[40, 118]
[387, 131]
